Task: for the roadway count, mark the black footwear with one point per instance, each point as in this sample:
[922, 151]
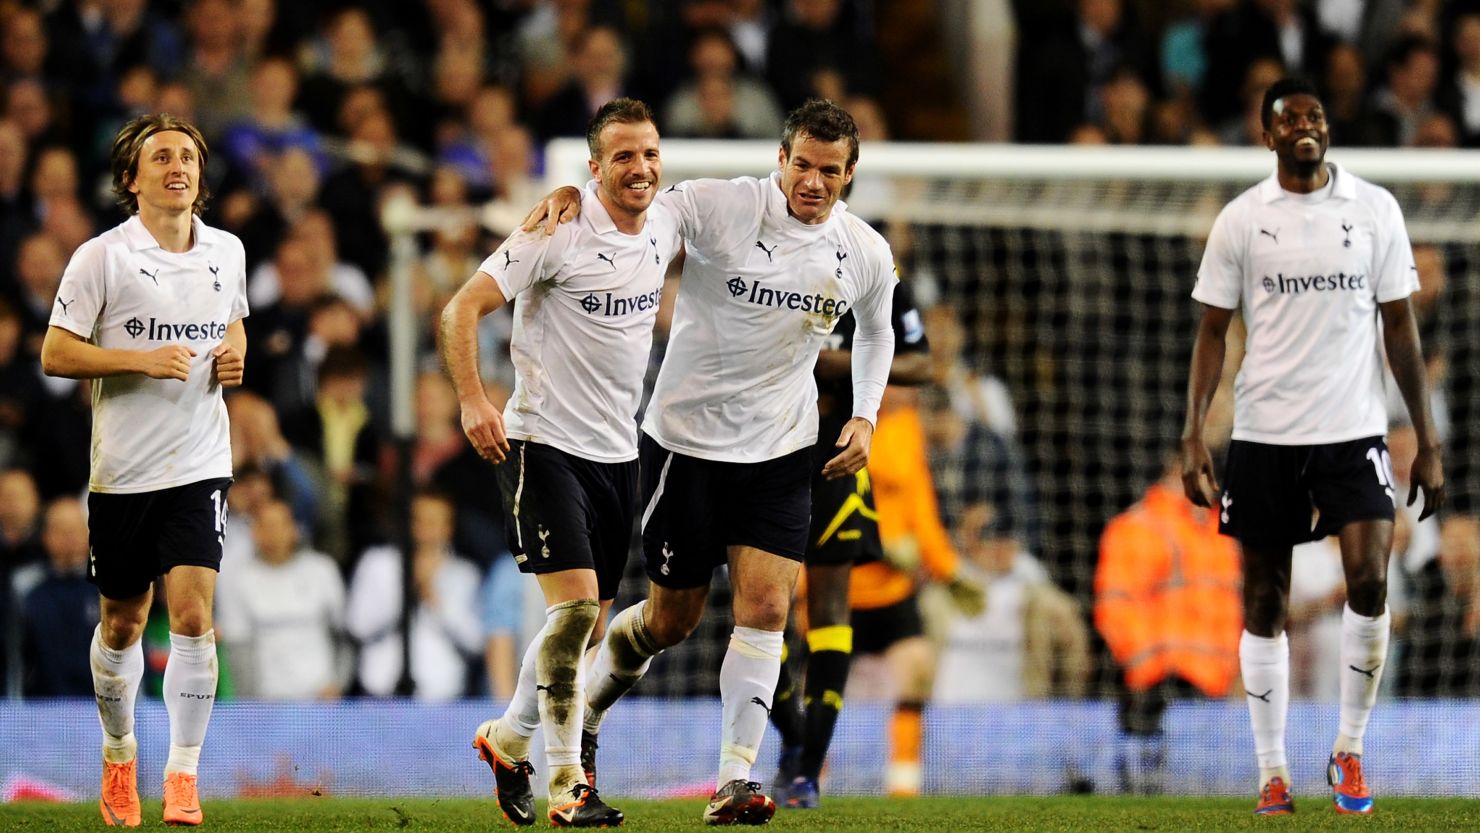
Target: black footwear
[510, 782]
[788, 768]
[739, 802]
[584, 808]
[588, 756]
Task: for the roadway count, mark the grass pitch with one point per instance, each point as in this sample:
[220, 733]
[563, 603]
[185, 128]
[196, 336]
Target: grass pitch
[1081, 814]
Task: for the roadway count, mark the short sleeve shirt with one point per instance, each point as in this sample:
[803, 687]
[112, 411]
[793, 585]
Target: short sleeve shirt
[121, 290]
[585, 301]
[1309, 272]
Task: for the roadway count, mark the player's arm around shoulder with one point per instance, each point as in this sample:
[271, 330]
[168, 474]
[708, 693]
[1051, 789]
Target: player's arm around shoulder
[722, 213]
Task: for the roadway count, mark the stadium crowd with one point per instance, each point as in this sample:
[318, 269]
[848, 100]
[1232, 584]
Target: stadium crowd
[315, 112]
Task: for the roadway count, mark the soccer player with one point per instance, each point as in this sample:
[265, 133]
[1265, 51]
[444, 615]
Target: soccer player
[844, 531]
[585, 300]
[151, 311]
[1316, 257]
[726, 451]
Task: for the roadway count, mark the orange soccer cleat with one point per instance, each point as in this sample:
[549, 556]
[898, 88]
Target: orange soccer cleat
[181, 803]
[119, 799]
[1348, 788]
[1274, 799]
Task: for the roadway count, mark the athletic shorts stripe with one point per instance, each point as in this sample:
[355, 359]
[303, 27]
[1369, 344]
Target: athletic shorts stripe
[647, 513]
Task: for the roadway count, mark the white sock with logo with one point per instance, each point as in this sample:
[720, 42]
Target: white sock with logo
[619, 662]
[747, 684]
[189, 694]
[1265, 663]
[1364, 647]
[116, 676]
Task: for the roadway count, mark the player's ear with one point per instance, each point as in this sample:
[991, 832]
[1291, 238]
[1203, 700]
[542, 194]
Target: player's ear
[781, 157]
[595, 168]
[1268, 141]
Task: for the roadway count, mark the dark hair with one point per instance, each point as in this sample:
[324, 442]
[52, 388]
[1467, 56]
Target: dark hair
[616, 111]
[1282, 88]
[343, 362]
[824, 121]
[130, 142]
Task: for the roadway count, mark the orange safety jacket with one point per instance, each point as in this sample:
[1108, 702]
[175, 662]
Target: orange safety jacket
[1168, 594]
[904, 496]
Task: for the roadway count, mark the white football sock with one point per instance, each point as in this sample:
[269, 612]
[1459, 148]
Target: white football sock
[1364, 647]
[1265, 663]
[116, 676]
[189, 695]
[620, 661]
[561, 687]
[747, 684]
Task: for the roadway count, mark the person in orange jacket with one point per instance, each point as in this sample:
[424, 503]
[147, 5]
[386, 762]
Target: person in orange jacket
[884, 594]
[1168, 604]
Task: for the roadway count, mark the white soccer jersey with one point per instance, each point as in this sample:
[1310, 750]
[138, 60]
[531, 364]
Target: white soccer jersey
[761, 291]
[289, 616]
[1309, 272]
[122, 291]
[585, 300]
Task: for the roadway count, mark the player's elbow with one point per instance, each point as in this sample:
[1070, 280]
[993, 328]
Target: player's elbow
[53, 356]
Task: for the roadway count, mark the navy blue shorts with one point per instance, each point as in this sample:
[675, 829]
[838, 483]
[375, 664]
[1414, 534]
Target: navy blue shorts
[875, 629]
[564, 512]
[135, 538]
[1282, 495]
[694, 510]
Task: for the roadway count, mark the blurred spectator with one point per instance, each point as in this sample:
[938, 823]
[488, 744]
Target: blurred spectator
[1443, 638]
[349, 56]
[23, 46]
[750, 27]
[1369, 25]
[1313, 620]
[720, 101]
[439, 436]
[812, 38]
[20, 384]
[1030, 642]
[1460, 93]
[446, 629]
[251, 489]
[256, 440]
[30, 110]
[502, 599]
[267, 28]
[278, 331]
[1344, 93]
[61, 611]
[292, 186]
[281, 617]
[102, 40]
[337, 433]
[1168, 604]
[57, 438]
[20, 514]
[216, 67]
[1248, 127]
[1184, 56]
[39, 266]
[16, 218]
[1126, 103]
[549, 39]
[1283, 30]
[314, 227]
[457, 79]
[599, 67]
[256, 142]
[1406, 97]
[471, 153]
[1059, 81]
[352, 195]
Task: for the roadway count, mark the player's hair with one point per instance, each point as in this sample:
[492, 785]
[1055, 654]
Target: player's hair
[1280, 89]
[824, 121]
[616, 111]
[129, 143]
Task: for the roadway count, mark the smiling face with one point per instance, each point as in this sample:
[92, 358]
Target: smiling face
[813, 176]
[1297, 133]
[168, 176]
[629, 168]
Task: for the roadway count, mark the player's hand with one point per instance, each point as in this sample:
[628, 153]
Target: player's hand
[230, 365]
[1198, 479]
[902, 553]
[967, 595]
[856, 438]
[1427, 474]
[171, 361]
[561, 206]
[484, 426]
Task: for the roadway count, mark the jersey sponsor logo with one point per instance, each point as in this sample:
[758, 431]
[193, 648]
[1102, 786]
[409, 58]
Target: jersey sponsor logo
[762, 246]
[153, 276]
[215, 279]
[608, 305]
[610, 259]
[1283, 284]
[65, 304]
[1272, 235]
[759, 294]
[170, 331]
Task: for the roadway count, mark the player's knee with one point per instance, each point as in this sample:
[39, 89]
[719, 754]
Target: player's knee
[670, 626]
[120, 630]
[766, 611]
[1367, 593]
[191, 621]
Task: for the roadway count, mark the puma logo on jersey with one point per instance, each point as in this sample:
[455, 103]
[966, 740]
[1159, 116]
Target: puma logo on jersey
[216, 281]
[673, 189]
[1348, 230]
[508, 259]
[769, 252]
[150, 275]
[610, 259]
[65, 304]
[1272, 235]
[842, 256]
